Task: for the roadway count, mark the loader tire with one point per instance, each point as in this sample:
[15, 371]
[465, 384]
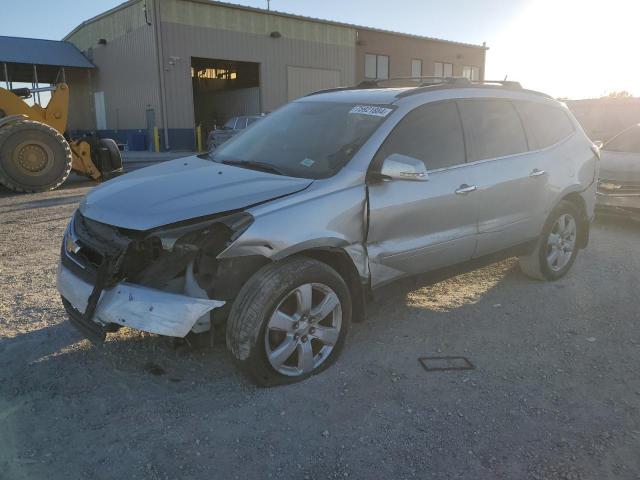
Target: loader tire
[33, 157]
[112, 165]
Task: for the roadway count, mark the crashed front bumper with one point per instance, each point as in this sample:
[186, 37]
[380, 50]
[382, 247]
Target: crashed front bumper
[130, 305]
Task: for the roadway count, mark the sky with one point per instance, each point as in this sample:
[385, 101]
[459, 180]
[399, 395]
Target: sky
[567, 48]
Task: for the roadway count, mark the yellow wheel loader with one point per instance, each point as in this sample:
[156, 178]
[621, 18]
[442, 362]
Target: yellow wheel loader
[34, 154]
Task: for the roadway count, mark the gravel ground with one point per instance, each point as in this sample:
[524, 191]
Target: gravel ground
[555, 393]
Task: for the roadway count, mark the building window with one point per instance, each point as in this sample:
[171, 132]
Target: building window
[443, 69]
[376, 66]
[416, 68]
[471, 72]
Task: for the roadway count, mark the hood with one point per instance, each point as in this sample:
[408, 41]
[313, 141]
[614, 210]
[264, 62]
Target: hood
[621, 166]
[180, 190]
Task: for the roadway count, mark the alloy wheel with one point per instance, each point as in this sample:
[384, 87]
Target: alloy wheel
[303, 329]
[561, 242]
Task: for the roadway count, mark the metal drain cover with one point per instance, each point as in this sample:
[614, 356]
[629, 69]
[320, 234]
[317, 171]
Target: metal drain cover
[444, 364]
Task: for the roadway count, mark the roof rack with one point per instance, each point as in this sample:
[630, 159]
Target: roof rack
[414, 82]
[504, 83]
[425, 84]
[464, 82]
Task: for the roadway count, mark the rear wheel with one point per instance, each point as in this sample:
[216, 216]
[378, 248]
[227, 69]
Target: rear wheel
[111, 164]
[289, 321]
[557, 247]
[33, 157]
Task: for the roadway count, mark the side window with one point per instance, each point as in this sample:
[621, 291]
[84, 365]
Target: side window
[493, 128]
[431, 133]
[241, 123]
[545, 125]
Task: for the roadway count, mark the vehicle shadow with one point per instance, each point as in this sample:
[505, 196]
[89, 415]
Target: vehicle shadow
[449, 288]
[135, 392]
[131, 352]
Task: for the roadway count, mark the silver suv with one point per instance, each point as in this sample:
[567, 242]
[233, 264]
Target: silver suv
[279, 235]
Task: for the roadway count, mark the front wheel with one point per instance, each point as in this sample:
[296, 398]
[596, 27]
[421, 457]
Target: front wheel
[33, 157]
[289, 321]
[557, 247]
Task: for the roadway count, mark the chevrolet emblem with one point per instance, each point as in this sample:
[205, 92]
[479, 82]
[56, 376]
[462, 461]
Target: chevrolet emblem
[70, 244]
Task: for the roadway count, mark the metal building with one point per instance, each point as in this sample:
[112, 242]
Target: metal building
[182, 64]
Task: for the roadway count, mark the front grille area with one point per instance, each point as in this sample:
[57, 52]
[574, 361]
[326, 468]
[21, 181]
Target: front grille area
[626, 188]
[95, 243]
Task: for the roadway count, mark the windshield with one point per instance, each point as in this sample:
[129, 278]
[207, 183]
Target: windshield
[627, 141]
[304, 139]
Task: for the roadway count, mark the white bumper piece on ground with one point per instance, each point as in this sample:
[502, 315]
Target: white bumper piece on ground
[138, 307]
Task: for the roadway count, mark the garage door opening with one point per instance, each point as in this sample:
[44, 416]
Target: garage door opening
[223, 89]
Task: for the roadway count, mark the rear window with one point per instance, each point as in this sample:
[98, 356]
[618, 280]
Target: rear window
[545, 125]
[627, 141]
[493, 129]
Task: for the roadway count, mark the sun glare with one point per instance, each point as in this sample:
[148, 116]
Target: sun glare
[571, 48]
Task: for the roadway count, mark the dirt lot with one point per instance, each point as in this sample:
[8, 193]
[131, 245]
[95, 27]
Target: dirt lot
[555, 393]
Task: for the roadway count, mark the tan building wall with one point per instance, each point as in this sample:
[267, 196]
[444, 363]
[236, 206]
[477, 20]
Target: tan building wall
[206, 30]
[401, 49]
[136, 49]
[81, 112]
[127, 70]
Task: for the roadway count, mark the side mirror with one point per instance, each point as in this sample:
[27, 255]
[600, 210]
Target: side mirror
[402, 167]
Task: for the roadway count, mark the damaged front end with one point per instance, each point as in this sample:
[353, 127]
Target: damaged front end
[166, 281]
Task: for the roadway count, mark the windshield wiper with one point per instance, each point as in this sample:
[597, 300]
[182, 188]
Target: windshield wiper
[264, 167]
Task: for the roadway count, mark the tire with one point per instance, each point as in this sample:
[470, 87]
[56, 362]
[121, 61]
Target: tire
[112, 166]
[33, 157]
[538, 264]
[266, 318]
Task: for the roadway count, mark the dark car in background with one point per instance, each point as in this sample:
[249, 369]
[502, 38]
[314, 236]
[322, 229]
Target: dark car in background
[619, 185]
[234, 125]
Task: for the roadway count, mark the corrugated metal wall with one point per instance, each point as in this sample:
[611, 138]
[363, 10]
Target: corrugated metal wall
[127, 66]
[274, 55]
[191, 29]
[203, 14]
[304, 80]
[110, 27]
[128, 63]
[81, 114]
[127, 74]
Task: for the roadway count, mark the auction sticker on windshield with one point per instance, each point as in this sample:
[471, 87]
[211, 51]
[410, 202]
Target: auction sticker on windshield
[374, 110]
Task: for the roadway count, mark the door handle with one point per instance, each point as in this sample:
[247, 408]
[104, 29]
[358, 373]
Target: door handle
[464, 189]
[537, 173]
